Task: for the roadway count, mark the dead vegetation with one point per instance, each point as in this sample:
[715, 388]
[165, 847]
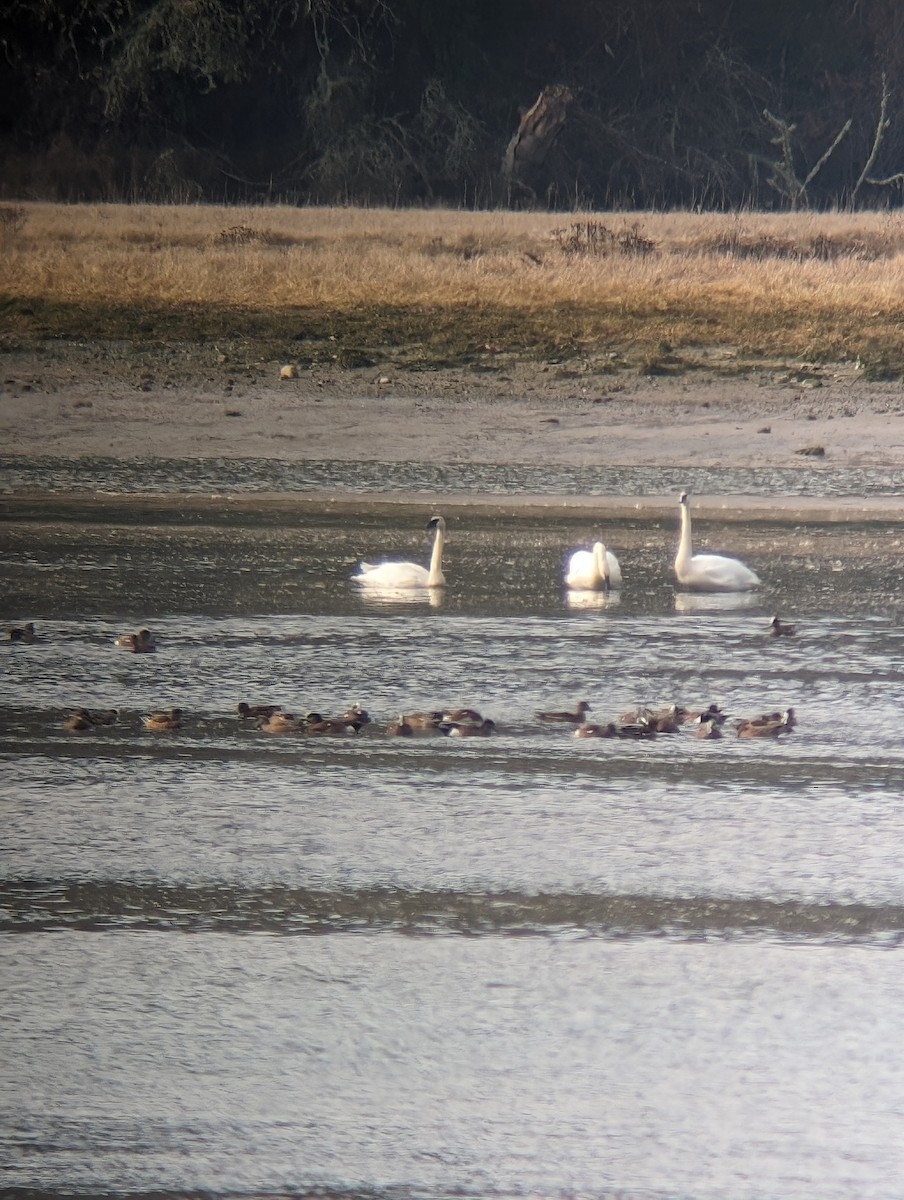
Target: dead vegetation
[597, 240]
[426, 288]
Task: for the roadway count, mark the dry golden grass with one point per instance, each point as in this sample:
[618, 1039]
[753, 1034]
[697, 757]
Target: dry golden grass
[444, 285]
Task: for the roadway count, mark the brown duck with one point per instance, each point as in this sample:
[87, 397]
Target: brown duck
[164, 722]
[566, 718]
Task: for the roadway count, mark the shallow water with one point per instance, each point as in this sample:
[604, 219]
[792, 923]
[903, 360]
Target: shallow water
[192, 475]
[522, 966]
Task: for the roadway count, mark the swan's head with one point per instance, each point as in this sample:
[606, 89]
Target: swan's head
[682, 499]
[436, 522]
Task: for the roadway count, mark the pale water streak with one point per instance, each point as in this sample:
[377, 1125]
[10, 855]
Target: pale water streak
[388, 1066]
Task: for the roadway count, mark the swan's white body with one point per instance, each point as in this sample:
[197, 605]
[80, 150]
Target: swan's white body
[708, 572]
[402, 575]
[595, 570]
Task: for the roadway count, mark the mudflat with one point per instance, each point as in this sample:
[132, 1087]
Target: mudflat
[72, 403]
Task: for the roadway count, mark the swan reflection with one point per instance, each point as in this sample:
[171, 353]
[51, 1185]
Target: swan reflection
[592, 599]
[703, 602]
[396, 595]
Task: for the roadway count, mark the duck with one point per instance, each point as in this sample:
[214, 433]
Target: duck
[253, 711]
[142, 642]
[78, 721]
[23, 633]
[595, 570]
[331, 727]
[460, 716]
[661, 720]
[788, 717]
[708, 572]
[400, 728]
[767, 725]
[164, 722]
[391, 575]
[356, 715]
[712, 713]
[484, 729]
[588, 730]
[667, 720]
[320, 726]
[641, 728]
[778, 628]
[566, 718]
[752, 729]
[425, 720]
[708, 729]
[279, 722]
[103, 716]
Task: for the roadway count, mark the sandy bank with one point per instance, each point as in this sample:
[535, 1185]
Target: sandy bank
[70, 405]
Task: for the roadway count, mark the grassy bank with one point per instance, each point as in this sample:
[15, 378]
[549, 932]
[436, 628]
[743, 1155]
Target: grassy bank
[649, 292]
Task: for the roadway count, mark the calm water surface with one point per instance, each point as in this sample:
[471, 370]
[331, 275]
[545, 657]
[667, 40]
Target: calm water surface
[523, 966]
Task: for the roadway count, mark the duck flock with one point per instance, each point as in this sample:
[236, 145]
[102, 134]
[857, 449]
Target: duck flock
[587, 570]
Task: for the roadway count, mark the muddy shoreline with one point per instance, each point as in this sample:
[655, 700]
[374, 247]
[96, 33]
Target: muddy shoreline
[70, 404]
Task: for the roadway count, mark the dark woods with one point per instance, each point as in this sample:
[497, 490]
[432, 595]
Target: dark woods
[552, 103]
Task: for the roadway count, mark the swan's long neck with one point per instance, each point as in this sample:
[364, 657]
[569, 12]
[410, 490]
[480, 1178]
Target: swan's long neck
[685, 549]
[602, 565]
[436, 577]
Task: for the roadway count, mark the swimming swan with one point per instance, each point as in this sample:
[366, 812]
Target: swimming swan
[595, 570]
[408, 574]
[708, 572]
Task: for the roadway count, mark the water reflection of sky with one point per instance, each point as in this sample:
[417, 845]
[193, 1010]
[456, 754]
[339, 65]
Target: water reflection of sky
[272, 475]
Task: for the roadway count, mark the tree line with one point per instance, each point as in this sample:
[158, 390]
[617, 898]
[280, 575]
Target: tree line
[708, 104]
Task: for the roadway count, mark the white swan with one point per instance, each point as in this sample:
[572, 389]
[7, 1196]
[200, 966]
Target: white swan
[595, 570]
[708, 572]
[401, 575]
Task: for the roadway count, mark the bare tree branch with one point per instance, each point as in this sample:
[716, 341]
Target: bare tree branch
[783, 171]
[840, 136]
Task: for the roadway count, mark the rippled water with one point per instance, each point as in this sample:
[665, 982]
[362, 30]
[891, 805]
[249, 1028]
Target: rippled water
[274, 475]
[521, 966]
